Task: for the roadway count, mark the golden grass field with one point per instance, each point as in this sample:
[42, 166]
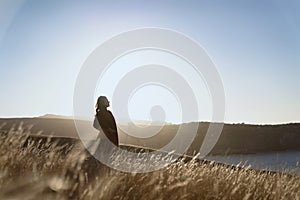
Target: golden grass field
[49, 170]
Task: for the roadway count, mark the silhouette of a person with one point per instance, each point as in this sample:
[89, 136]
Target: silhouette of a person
[105, 121]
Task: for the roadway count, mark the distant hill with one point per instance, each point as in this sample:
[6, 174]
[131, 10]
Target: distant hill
[235, 138]
[53, 116]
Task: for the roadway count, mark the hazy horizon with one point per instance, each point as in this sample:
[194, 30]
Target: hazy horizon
[122, 121]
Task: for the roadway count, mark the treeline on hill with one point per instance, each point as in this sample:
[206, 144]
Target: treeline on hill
[235, 138]
[243, 138]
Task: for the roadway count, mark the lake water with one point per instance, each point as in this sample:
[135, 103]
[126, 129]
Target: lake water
[288, 161]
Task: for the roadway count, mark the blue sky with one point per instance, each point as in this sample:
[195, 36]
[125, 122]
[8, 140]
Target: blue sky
[254, 44]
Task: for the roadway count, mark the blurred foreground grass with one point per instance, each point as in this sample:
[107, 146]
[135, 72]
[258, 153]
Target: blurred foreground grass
[39, 169]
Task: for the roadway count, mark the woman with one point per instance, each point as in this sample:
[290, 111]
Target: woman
[105, 121]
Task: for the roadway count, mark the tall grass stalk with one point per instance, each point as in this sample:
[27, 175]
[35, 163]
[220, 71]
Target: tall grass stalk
[39, 169]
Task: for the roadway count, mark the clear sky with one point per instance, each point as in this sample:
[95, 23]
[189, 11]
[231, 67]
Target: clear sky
[254, 44]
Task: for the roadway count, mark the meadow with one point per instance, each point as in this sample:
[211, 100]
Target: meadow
[46, 169]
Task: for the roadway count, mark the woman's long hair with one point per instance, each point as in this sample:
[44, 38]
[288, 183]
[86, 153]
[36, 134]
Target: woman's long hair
[102, 103]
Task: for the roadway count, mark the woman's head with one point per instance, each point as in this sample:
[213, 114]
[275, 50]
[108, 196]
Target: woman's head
[102, 103]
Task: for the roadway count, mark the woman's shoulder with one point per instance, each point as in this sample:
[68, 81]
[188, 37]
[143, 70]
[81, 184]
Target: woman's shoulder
[104, 113]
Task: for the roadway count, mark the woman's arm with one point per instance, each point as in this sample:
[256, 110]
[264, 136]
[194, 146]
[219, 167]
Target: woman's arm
[113, 124]
[113, 129]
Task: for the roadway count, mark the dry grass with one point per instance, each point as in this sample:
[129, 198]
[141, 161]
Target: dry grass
[46, 170]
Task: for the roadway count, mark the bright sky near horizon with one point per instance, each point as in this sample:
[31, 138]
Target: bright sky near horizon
[255, 46]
